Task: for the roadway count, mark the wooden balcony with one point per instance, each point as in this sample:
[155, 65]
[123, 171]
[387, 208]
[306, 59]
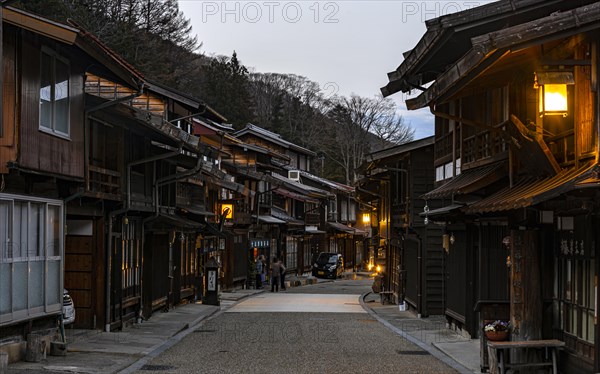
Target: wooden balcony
[483, 146]
[562, 147]
[443, 146]
[243, 218]
[103, 183]
[312, 219]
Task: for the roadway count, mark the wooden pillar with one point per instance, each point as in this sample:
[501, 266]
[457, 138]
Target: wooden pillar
[525, 291]
[595, 223]
[525, 294]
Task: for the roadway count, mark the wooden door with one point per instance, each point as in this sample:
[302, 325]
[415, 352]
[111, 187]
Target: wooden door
[79, 277]
[84, 271]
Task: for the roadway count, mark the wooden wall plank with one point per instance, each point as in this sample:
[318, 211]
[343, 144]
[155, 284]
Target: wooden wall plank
[46, 152]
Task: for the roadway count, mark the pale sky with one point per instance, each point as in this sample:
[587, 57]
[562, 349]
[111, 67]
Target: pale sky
[346, 46]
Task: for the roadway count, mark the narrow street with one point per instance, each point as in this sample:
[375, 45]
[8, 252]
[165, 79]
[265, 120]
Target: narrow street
[317, 328]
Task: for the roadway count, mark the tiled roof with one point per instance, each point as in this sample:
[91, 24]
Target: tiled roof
[530, 191]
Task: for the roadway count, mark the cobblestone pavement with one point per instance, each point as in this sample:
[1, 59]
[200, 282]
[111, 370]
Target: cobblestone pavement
[272, 342]
[187, 339]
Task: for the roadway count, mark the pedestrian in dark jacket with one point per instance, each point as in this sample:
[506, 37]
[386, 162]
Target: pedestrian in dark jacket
[275, 275]
[282, 274]
[259, 272]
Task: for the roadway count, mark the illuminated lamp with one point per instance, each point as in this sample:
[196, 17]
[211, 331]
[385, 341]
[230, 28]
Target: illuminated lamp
[366, 218]
[227, 211]
[552, 92]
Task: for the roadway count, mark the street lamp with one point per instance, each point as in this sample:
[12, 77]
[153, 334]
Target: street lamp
[227, 211]
[552, 92]
[366, 218]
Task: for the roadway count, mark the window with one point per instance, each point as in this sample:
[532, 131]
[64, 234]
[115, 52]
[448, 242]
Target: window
[31, 252]
[574, 300]
[54, 94]
[332, 216]
[291, 252]
[448, 170]
[131, 259]
[344, 211]
[444, 172]
[439, 173]
[352, 211]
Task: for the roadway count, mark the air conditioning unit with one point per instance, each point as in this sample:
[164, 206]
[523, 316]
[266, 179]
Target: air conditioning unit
[294, 175]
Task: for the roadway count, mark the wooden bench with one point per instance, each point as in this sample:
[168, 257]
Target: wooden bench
[386, 296]
[498, 359]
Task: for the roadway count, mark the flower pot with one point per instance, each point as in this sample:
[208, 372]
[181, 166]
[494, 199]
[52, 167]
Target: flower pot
[496, 336]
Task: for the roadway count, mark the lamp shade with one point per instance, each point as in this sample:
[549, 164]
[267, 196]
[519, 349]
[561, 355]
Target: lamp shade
[366, 218]
[227, 210]
[553, 94]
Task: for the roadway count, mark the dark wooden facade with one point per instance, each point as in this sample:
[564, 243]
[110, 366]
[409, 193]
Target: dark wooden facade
[516, 183]
[414, 261]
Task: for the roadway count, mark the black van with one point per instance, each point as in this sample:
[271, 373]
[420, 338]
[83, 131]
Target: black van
[328, 265]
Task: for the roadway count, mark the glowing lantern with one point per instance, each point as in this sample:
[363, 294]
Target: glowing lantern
[227, 211]
[366, 218]
[553, 95]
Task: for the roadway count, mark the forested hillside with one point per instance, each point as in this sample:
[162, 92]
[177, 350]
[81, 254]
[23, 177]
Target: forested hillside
[155, 37]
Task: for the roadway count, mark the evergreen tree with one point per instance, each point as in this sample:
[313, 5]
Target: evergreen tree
[225, 88]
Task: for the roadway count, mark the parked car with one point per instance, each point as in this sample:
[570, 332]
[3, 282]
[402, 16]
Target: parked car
[68, 308]
[329, 265]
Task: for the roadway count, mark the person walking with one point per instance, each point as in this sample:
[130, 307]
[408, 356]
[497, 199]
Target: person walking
[259, 272]
[275, 275]
[263, 276]
[282, 274]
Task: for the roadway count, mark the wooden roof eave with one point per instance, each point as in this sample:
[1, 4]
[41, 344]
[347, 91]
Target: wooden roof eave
[478, 60]
[164, 130]
[39, 25]
[530, 191]
[489, 48]
[400, 149]
[442, 29]
[95, 48]
[184, 99]
[269, 136]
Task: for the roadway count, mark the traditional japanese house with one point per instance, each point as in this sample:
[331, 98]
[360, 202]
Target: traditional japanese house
[115, 163]
[514, 89]
[252, 165]
[145, 166]
[41, 160]
[296, 209]
[412, 253]
[168, 173]
[238, 196]
[339, 212]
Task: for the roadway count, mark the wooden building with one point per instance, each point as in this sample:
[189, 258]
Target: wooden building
[296, 202]
[391, 185]
[330, 221]
[107, 162]
[514, 89]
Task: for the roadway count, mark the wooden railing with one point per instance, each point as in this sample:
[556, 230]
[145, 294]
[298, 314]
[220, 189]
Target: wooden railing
[105, 182]
[242, 213]
[562, 146]
[312, 218]
[482, 146]
[443, 146]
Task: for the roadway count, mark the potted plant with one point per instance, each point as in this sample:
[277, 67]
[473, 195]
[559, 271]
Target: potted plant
[496, 330]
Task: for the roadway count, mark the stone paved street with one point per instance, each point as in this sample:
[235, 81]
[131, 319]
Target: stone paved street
[284, 341]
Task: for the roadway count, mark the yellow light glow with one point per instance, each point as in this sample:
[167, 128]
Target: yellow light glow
[554, 99]
[378, 269]
[366, 218]
[229, 214]
[369, 267]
